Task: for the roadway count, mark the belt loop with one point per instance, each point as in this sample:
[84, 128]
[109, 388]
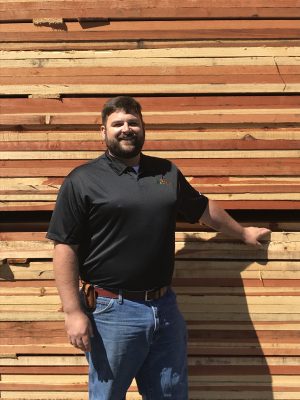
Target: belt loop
[120, 297]
[146, 296]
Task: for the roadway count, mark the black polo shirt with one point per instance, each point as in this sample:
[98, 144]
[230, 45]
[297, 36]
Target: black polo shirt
[124, 222]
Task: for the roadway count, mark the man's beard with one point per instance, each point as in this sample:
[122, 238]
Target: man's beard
[116, 148]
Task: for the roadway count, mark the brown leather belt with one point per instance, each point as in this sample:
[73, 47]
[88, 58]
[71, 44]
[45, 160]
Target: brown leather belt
[143, 295]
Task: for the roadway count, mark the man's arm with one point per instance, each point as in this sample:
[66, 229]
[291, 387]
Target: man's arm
[221, 221]
[66, 273]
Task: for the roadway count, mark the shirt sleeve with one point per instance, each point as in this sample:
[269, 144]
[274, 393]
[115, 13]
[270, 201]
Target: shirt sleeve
[68, 219]
[191, 203]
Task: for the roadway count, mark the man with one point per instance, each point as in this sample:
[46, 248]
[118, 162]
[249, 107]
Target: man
[114, 227]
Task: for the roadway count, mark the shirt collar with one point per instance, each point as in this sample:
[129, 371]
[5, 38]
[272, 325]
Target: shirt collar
[118, 166]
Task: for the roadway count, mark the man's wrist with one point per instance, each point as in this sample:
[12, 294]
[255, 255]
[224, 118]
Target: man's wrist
[73, 311]
[243, 234]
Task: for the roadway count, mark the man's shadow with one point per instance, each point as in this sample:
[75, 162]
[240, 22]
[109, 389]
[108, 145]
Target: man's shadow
[225, 325]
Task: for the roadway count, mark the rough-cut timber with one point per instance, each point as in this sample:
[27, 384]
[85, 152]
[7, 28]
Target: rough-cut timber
[219, 86]
[237, 9]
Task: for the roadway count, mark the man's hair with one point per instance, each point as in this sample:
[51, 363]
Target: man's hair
[125, 103]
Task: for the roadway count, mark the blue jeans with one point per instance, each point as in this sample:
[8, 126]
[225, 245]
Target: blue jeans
[145, 340]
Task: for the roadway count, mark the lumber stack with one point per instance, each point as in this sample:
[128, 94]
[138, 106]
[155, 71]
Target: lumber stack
[219, 84]
[239, 150]
[241, 305]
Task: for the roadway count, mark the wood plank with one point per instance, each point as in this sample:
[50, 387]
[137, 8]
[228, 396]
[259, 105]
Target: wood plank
[199, 79]
[236, 282]
[208, 56]
[90, 108]
[42, 284]
[37, 72]
[252, 380]
[21, 291]
[206, 185]
[40, 329]
[217, 316]
[29, 206]
[170, 120]
[42, 370]
[32, 316]
[145, 44]
[178, 57]
[164, 9]
[35, 237]
[23, 235]
[156, 145]
[184, 268]
[193, 371]
[14, 189]
[187, 154]
[42, 273]
[270, 361]
[206, 134]
[62, 360]
[151, 29]
[40, 349]
[243, 370]
[50, 301]
[53, 395]
[85, 45]
[117, 45]
[227, 394]
[71, 89]
[149, 104]
[240, 291]
[282, 246]
[235, 251]
[249, 310]
[79, 360]
[286, 337]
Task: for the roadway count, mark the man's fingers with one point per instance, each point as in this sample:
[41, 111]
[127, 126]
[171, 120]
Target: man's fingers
[264, 232]
[254, 235]
[82, 343]
[79, 330]
[86, 344]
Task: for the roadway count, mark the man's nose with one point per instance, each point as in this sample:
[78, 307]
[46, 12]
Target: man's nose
[125, 127]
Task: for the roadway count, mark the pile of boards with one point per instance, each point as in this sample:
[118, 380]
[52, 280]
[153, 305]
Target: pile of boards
[219, 84]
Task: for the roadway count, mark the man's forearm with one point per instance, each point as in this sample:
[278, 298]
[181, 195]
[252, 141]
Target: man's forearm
[66, 275]
[221, 221]
[66, 272]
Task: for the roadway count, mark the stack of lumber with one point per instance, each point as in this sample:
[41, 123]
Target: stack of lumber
[241, 305]
[219, 84]
[239, 150]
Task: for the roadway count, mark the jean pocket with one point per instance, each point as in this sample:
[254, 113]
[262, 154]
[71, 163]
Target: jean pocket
[103, 304]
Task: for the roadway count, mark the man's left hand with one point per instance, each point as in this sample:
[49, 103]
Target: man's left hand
[252, 235]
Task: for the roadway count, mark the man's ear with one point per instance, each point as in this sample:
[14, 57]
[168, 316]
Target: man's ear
[103, 131]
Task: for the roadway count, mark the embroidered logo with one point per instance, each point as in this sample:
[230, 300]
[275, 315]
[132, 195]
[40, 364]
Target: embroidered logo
[163, 181]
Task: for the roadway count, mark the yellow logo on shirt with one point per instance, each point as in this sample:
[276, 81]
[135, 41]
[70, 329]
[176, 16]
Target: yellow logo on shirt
[163, 181]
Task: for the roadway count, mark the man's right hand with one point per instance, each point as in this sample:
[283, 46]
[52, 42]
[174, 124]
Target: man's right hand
[79, 330]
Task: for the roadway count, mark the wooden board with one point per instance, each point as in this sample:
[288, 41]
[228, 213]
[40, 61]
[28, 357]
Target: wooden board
[148, 10]
[100, 30]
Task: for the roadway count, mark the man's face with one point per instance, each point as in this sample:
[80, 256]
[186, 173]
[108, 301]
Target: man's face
[124, 134]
